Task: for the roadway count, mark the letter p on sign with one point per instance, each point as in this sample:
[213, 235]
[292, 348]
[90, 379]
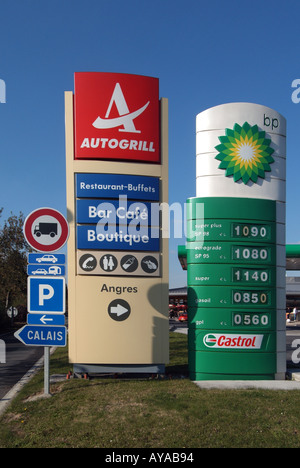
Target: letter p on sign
[46, 295]
[46, 291]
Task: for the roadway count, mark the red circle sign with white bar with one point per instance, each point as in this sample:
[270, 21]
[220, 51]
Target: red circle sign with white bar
[46, 230]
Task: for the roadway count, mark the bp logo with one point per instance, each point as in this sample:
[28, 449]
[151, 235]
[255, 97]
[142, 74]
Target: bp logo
[245, 153]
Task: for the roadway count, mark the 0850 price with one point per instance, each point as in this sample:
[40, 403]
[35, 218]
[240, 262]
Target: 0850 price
[250, 297]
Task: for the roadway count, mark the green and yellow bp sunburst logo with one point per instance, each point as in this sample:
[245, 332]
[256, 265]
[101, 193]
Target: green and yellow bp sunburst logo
[245, 153]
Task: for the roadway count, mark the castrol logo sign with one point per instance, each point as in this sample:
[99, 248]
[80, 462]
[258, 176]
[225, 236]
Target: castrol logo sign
[116, 116]
[232, 341]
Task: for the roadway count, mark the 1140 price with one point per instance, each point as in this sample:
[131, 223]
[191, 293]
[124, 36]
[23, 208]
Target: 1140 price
[251, 275]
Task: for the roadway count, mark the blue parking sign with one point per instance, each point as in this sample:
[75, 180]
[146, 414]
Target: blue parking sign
[46, 294]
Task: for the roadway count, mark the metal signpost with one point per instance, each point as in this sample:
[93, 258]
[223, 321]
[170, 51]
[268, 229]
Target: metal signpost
[46, 230]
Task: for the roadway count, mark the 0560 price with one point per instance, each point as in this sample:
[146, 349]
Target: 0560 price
[251, 320]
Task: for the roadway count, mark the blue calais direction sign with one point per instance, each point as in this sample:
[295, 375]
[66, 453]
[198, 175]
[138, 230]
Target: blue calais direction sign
[36, 335]
[49, 259]
[46, 294]
[91, 211]
[45, 319]
[116, 185]
[118, 238]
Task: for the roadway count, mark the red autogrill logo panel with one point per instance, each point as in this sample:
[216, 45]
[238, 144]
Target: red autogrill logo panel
[116, 117]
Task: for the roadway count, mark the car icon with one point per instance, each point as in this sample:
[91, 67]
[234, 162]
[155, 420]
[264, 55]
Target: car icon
[47, 258]
[40, 271]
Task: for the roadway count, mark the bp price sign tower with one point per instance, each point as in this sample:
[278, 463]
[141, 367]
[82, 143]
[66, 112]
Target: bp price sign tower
[235, 252]
[117, 176]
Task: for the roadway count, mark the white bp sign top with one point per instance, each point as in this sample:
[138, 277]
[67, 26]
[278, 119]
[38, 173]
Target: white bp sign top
[241, 152]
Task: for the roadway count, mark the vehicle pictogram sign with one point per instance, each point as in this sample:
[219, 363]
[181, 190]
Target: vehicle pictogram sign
[46, 230]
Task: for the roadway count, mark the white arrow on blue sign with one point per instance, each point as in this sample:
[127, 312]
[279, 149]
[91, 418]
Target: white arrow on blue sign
[39, 335]
[45, 319]
[46, 294]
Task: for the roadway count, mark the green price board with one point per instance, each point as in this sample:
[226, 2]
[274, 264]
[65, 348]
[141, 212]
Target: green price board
[231, 271]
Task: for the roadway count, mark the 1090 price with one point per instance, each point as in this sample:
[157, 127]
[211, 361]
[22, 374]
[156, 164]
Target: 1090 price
[251, 231]
[250, 297]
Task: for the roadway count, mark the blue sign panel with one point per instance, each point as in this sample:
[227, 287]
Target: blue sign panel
[39, 335]
[118, 238]
[45, 319]
[49, 259]
[117, 212]
[115, 185]
[46, 294]
[46, 270]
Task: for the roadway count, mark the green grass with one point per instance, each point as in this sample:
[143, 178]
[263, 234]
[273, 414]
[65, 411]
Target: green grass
[170, 412]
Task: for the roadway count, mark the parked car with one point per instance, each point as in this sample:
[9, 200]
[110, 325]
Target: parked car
[183, 317]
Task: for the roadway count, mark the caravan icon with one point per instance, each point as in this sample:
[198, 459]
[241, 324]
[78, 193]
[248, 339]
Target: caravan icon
[54, 270]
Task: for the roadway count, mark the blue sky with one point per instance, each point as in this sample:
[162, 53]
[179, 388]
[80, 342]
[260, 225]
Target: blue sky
[204, 53]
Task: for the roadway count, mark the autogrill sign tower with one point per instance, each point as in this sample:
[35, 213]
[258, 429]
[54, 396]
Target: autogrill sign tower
[235, 252]
[117, 176]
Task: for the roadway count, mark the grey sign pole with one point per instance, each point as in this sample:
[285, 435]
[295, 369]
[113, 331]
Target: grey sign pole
[47, 370]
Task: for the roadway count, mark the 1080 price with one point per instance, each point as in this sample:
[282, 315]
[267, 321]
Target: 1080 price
[258, 254]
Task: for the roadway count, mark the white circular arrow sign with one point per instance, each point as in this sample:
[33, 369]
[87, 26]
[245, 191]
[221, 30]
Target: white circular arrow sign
[119, 310]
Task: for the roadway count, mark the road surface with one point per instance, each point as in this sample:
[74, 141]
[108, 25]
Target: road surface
[19, 360]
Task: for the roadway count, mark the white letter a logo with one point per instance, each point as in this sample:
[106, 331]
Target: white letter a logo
[126, 118]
